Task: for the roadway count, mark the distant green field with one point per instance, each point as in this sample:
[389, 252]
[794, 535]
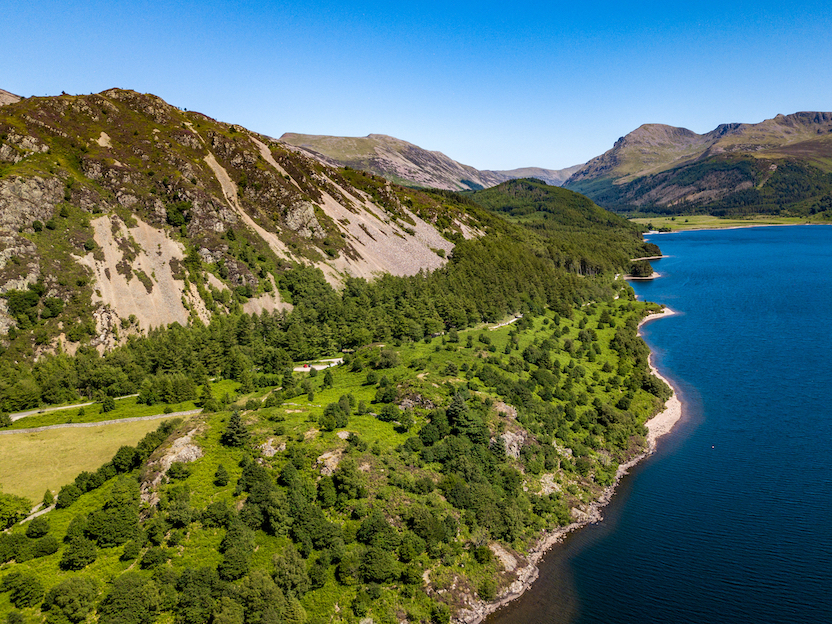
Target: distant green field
[32, 462]
[708, 222]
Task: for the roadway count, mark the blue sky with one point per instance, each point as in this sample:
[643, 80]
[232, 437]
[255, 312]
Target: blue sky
[491, 84]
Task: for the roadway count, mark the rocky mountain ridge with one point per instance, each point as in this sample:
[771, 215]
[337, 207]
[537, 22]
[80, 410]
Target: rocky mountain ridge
[411, 165]
[131, 213]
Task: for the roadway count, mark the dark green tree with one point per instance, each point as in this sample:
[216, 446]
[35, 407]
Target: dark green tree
[38, 527]
[78, 554]
[221, 476]
[131, 600]
[290, 572]
[236, 434]
[70, 601]
[25, 589]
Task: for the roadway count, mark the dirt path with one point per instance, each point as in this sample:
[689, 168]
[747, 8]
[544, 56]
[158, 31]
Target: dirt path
[320, 365]
[44, 410]
[101, 422]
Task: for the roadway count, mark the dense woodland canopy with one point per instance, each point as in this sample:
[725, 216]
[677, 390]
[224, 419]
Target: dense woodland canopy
[510, 270]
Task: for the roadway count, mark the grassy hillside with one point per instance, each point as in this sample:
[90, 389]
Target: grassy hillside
[119, 212]
[492, 378]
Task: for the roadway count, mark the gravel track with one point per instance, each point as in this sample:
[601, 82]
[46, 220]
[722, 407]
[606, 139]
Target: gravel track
[101, 422]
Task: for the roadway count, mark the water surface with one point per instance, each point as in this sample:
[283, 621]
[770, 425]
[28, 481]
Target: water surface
[731, 520]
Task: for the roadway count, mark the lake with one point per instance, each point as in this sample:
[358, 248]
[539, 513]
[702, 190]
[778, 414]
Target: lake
[731, 519]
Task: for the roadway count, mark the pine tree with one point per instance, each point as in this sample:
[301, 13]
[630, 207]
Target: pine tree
[221, 476]
[236, 434]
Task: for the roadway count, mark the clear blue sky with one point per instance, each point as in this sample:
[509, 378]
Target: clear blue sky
[492, 84]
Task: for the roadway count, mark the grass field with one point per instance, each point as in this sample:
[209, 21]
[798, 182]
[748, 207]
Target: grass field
[708, 222]
[32, 462]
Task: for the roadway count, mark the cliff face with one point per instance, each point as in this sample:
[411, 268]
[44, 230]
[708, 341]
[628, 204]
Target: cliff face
[136, 214]
[663, 166]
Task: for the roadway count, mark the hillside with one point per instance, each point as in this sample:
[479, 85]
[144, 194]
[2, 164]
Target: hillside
[413, 483]
[781, 165]
[124, 213]
[408, 164]
[8, 98]
[578, 234]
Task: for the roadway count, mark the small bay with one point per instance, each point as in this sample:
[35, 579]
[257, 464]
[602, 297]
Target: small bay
[731, 519]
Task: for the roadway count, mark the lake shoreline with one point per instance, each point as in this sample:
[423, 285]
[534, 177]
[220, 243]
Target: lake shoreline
[659, 425]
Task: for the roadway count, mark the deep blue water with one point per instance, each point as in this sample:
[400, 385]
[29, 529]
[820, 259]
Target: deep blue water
[731, 519]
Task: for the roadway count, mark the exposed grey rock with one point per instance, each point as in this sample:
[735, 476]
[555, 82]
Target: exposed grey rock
[23, 200]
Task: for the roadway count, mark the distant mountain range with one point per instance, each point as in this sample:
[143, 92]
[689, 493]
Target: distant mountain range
[411, 165]
[779, 164]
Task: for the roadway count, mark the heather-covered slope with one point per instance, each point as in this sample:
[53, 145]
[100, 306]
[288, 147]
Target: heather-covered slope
[125, 213]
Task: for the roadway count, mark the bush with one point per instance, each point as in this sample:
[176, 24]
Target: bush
[45, 546]
[38, 527]
[79, 553]
[221, 476]
[132, 600]
[25, 589]
[71, 601]
[131, 551]
[154, 557]
[179, 470]
[217, 514]
[68, 495]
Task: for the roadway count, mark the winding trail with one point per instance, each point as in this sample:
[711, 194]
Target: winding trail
[101, 422]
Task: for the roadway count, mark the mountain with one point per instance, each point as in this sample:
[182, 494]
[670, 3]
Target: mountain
[552, 177]
[408, 164]
[127, 213]
[784, 163]
[8, 98]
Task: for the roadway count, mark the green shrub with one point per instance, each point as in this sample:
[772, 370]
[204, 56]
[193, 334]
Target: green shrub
[78, 554]
[70, 601]
[38, 527]
[45, 546]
